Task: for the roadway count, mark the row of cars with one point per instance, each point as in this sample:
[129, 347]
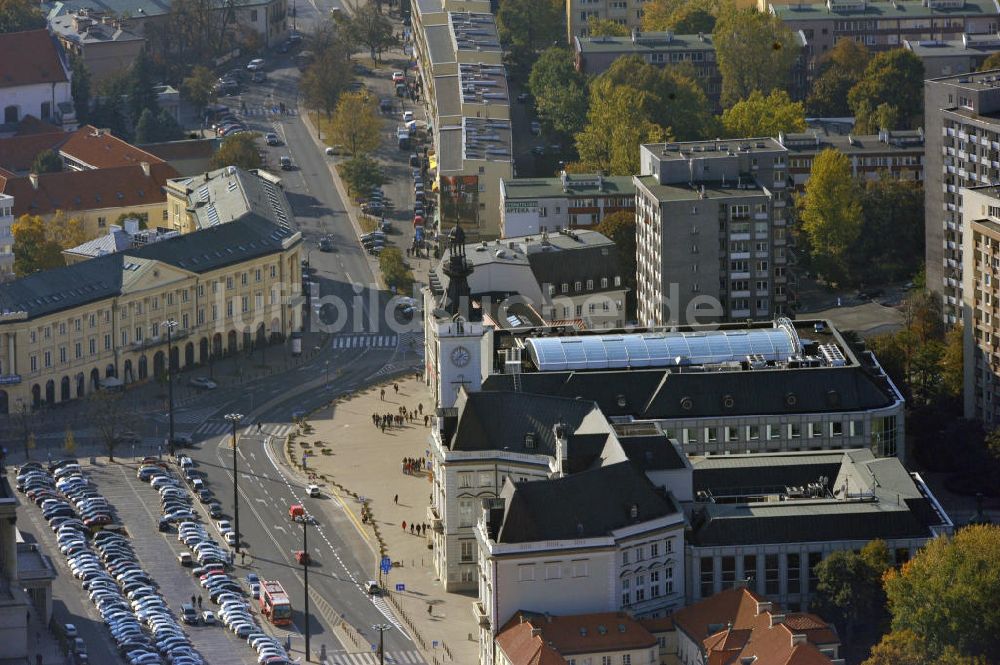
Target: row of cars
[126, 596]
[213, 560]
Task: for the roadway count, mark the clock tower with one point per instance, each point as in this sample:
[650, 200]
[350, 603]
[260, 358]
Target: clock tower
[458, 346]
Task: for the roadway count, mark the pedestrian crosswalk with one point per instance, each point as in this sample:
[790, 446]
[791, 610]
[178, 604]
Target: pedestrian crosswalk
[192, 416]
[260, 110]
[365, 341]
[213, 428]
[394, 657]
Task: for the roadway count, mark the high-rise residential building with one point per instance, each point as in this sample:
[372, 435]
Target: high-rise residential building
[626, 13]
[712, 241]
[962, 133]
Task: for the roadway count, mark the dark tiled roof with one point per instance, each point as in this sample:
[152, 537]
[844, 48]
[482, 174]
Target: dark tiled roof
[30, 58]
[582, 505]
[764, 472]
[63, 288]
[485, 421]
[586, 262]
[652, 453]
[658, 393]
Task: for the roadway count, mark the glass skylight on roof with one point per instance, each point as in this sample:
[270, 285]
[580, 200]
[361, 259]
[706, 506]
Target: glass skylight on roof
[552, 354]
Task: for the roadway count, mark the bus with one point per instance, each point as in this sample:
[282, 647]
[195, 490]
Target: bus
[274, 603]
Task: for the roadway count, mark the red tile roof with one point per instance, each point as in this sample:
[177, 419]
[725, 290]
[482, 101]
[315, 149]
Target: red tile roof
[28, 58]
[736, 606]
[100, 149]
[18, 152]
[573, 634]
[29, 124]
[523, 647]
[770, 644]
[117, 187]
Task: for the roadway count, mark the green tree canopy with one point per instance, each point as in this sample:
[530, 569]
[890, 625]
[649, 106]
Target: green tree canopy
[47, 161]
[758, 115]
[683, 17]
[38, 243]
[367, 25]
[20, 15]
[892, 208]
[528, 26]
[397, 275]
[80, 87]
[849, 589]
[356, 124]
[605, 27]
[109, 110]
[894, 79]
[560, 91]
[362, 174]
[755, 51]
[328, 76]
[237, 150]
[992, 62]
[616, 125]
[156, 126]
[837, 72]
[141, 93]
[620, 227]
[199, 87]
[830, 215]
[947, 595]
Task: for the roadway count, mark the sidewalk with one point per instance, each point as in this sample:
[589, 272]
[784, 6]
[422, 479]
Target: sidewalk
[365, 462]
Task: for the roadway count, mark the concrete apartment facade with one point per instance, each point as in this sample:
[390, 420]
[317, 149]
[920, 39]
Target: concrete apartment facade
[885, 24]
[101, 41]
[571, 201]
[953, 56]
[962, 130]
[712, 231]
[626, 13]
[899, 153]
[595, 54]
[65, 331]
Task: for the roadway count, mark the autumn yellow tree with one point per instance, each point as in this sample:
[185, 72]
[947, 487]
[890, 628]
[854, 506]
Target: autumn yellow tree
[356, 124]
[38, 243]
[764, 115]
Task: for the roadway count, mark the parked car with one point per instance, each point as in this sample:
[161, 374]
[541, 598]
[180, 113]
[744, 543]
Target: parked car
[523, 98]
[203, 382]
[256, 64]
[536, 127]
[286, 163]
[325, 244]
[398, 77]
[272, 139]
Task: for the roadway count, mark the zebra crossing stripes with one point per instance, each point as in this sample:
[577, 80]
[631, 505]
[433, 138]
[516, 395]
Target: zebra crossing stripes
[213, 428]
[365, 341]
[393, 657]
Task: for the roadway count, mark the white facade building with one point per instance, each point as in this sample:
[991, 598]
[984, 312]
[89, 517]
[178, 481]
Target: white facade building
[531, 206]
[38, 85]
[6, 237]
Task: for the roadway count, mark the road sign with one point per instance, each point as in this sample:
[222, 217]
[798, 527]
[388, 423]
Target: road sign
[400, 587]
[386, 564]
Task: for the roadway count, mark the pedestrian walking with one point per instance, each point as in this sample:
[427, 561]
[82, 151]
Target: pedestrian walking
[411, 529]
[383, 395]
[395, 499]
[199, 602]
[430, 609]
[404, 525]
[425, 421]
[395, 387]
[420, 408]
[193, 600]
[243, 558]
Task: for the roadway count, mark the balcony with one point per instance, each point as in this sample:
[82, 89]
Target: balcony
[479, 611]
[437, 524]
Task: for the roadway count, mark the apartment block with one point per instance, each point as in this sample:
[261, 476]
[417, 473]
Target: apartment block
[626, 13]
[900, 153]
[594, 55]
[953, 56]
[962, 130]
[882, 25]
[712, 239]
[102, 41]
[571, 201]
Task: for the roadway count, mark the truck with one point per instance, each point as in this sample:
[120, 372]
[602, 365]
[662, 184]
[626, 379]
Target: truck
[274, 603]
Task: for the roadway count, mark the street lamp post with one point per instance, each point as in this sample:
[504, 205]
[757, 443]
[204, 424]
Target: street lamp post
[305, 575]
[327, 364]
[381, 628]
[234, 420]
[170, 325]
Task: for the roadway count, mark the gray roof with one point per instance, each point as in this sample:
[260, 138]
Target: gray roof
[577, 184]
[132, 8]
[882, 10]
[485, 421]
[440, 47]
[450, 150]
[588, 504]
[653, 452]
[446, 95]
[229, 193]
[474, 31]
[644, 42]
[96, 32]
[95, 279]
[863, 498]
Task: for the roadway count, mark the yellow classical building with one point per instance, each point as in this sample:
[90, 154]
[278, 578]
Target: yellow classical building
[67, 332]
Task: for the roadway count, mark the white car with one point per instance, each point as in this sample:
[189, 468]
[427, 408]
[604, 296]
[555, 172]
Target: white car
[225, 526]
[407, 116]
[208, 618]
[256, 64]
[231, 538]
[313, 490]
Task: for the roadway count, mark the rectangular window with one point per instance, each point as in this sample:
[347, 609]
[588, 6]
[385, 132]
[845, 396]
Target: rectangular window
[794, 573]
[707, 576]
[654, 584]
[468, 548]
[836, 428]
[753, 432]
[62, 354]
[654, 550]
[107, 342]
[465, 479]
[48, 359]
[33, 361]
[93, 346]
[668, 580]
[526, 572]
[78, 350]
[814, 559]
[728, 572]
[580, 567]
[485, 479]
[553, 571]
[465, 513]
[815, 430]
[626, 592]
[711, 435]
[772, 575]
[794, 431]
[750, 570]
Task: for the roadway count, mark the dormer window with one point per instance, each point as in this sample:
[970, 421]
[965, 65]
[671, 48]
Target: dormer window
[529, 441]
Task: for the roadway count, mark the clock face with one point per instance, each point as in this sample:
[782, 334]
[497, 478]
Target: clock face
[460, 356]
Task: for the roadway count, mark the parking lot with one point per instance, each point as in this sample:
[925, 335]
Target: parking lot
[139, 510]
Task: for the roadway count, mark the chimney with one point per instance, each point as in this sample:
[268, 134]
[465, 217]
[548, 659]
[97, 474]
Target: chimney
[535, 632]
[145, 168]
[777, 619]
[798, 638]
[763, 606]
[33, 177]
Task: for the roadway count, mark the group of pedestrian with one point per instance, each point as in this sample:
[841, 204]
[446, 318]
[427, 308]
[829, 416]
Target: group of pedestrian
[387, 420]
[412, 465]
[416, 529]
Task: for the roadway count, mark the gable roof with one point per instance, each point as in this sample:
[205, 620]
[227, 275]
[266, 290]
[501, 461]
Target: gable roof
[530, 637]
[91, 147]
[736, 606]
[18, 152]
[43, 66]
[583, 505]
[772, 643]
[523, 647]
[59, 289]
[117, 187]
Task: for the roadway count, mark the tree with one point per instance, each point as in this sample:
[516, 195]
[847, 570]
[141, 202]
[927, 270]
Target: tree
[952, 370]
[947, 595]
[894, 78]
[620, 228]
[69, 442]
[111, 418]
[80, 87]
[23, 420]
[758, 115]
[526, 27]
[362, 174]
[199, 87]
[680, 16]
[19, 16]
[141, 95]
[892, 208]
[368, 26]
[327, 78]
[992, 62]
[397, 275]
[154, 127]
[828, 94]
[38, 244]
[46, 161]
[605, 27]
[616, 125]
[109, 109]
[847, 56]
[849, 588]
[560, 91]
[357, 125]
[143, 218]
[238, 150]
[755, 51]
[830, 214]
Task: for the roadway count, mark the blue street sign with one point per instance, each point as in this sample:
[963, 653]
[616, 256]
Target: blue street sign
[401, 587]
[386, 564]
[374, 648]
